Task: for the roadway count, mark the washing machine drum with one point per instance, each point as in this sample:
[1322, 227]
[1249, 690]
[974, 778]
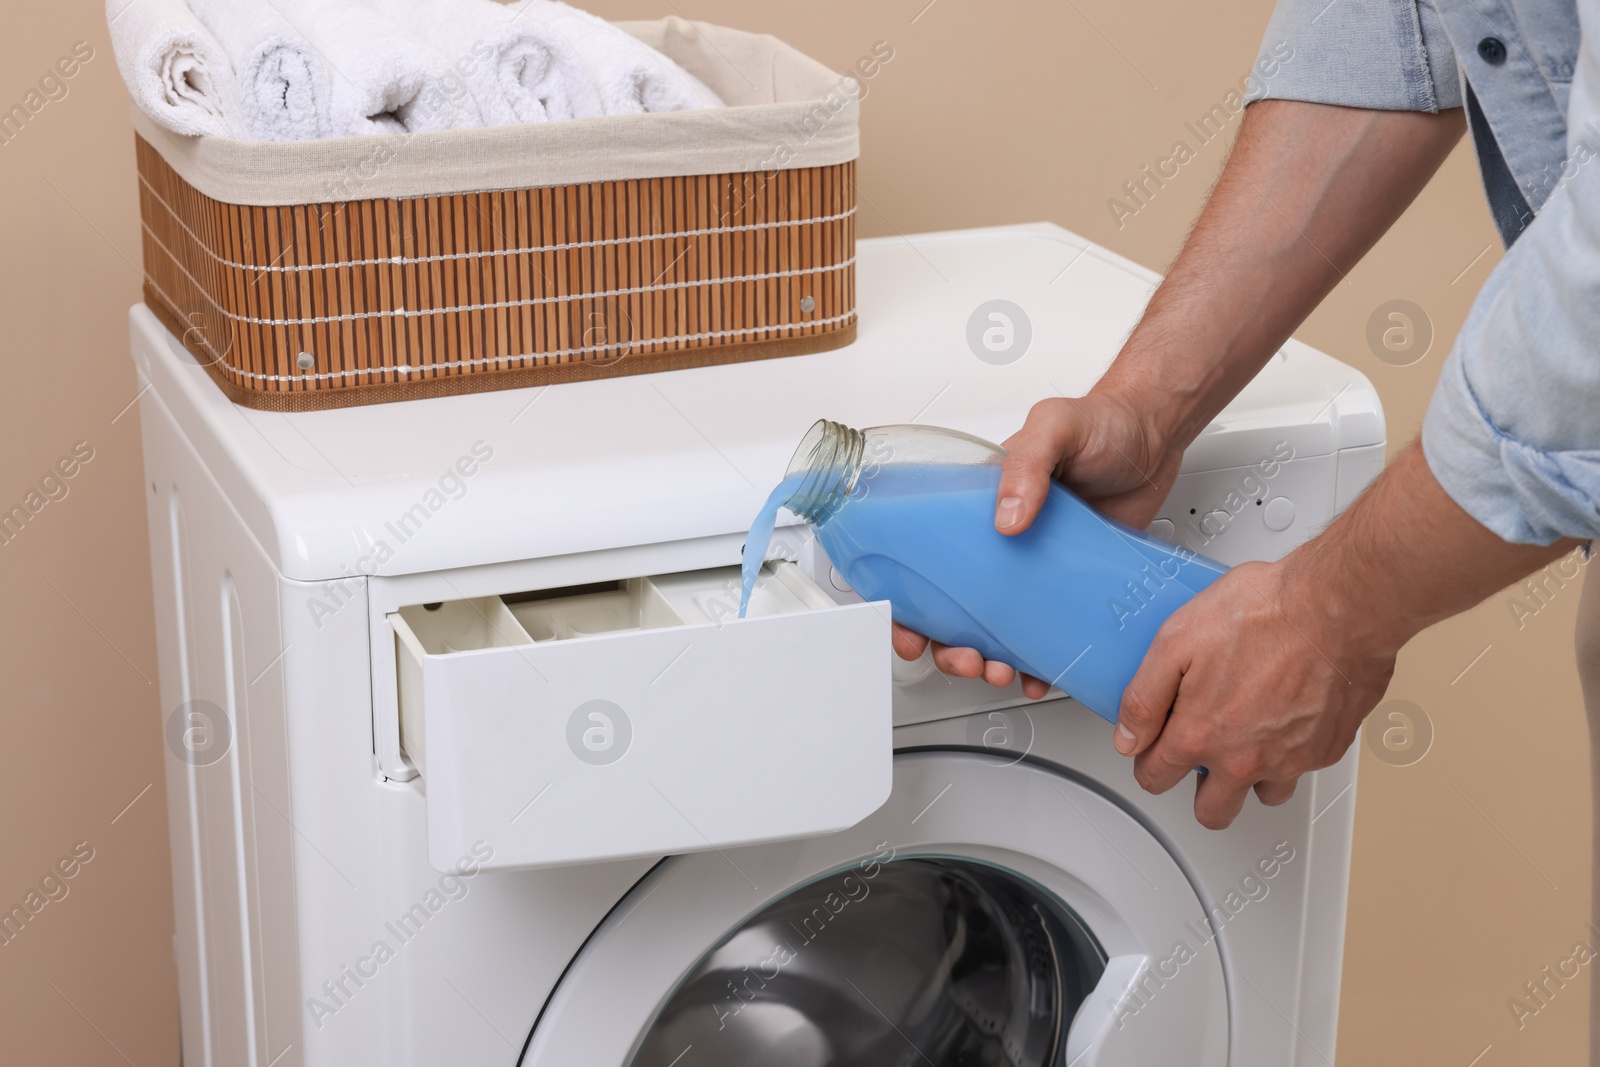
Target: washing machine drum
[950, 962]
[990, 913]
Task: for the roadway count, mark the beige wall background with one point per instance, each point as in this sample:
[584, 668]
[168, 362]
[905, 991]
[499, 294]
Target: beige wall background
[1471, 865]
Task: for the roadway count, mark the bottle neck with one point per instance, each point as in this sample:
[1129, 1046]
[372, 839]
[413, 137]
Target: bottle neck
[826, 464]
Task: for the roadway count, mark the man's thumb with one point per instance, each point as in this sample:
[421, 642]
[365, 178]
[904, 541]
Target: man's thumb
[1033, 453]
[1024, 484]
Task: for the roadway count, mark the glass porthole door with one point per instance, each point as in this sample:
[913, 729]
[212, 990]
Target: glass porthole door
[988, 915]
[927, 960]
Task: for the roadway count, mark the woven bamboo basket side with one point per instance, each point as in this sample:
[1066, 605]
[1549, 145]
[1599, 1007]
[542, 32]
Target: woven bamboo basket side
[360, 301]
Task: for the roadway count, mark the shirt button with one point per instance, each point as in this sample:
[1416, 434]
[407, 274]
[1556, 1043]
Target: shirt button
[1492, 50]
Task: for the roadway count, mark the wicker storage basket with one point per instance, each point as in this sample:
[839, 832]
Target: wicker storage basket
[360, 270]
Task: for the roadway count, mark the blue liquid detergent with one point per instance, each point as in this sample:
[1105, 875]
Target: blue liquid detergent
[760, 536]
[1075, 600]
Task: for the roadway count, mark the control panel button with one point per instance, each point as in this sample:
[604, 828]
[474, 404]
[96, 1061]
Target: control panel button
[1161, 528]
[836, 580]
[1278, 514]
[1216, 523]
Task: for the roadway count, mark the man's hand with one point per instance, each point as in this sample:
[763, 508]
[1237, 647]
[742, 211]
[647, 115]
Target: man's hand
[1251, 682]
[1099, 446]
[1267, 674]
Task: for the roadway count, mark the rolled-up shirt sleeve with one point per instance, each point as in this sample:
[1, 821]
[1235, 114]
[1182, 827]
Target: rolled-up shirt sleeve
[1513, 430]
[1357, 53]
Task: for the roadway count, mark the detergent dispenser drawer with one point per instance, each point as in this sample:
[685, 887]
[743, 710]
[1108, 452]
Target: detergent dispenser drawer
[643, 717]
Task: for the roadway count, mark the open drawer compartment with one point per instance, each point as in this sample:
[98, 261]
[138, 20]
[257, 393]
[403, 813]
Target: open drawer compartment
[643, 717]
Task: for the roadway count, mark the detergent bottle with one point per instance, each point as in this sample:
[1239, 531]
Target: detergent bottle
[906, 514]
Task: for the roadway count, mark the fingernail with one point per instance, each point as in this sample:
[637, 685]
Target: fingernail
[1008, 512]
[1124, 739]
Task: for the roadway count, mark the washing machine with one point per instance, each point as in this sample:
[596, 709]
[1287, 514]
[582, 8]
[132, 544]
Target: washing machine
[471, 762]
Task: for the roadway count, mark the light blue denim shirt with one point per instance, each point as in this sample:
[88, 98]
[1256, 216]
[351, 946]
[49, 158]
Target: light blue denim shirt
[1513, 431]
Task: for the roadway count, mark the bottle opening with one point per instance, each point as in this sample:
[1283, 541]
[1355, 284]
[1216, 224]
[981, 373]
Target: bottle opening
[825, 467]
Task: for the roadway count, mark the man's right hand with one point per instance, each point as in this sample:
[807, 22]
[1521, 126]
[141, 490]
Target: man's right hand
[1101, 448]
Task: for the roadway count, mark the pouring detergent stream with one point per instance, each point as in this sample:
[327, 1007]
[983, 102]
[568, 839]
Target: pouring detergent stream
[906, 514]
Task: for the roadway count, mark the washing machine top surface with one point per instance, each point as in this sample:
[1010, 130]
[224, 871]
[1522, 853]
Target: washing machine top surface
[644, 459]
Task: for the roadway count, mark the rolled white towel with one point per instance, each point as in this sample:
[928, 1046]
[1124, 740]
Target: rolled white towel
[383, 78]
[176, 70]
[630, 76]
[282, 83]
[518, 69]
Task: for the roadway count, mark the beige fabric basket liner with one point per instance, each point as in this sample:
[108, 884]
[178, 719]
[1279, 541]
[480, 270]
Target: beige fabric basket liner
[786, 111]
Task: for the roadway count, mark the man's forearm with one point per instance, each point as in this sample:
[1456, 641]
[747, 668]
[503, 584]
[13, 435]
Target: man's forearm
[1307, 190]
[1406, 556]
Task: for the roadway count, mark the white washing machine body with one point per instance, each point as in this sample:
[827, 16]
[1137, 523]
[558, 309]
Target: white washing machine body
[519, 902]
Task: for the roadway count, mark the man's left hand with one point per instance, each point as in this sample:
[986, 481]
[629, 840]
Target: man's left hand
[1255, 681]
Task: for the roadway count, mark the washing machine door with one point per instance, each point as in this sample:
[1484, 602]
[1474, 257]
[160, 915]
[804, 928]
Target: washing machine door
[990, 913]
